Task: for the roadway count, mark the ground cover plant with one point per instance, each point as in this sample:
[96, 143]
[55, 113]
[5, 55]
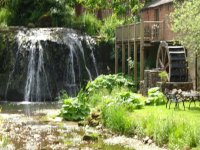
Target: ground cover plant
[175, 129]
[155, 97]
[125, 112]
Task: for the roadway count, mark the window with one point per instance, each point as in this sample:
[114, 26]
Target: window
[156, 14]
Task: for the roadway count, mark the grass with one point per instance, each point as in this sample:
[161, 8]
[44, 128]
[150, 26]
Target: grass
[175, 128]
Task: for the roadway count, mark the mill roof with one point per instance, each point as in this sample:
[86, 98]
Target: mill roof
[156, 3]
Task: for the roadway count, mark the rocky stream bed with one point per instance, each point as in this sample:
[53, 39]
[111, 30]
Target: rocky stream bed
[27, 126]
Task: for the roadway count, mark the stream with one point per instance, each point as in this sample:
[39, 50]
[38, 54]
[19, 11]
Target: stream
[36, 126]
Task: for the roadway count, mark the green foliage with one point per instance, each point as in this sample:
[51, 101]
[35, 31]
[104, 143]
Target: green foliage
[163, 76]
[109, 82]
[4, 141]
[40, 13]
[131, 100]
[4, 16]
[185, 23]
[74, 110]
[122, 8]
[155, 97]
[116, 118]
[107, 30]
[130, 63]
[62, 95]
[88, 23]
[93, 5]
[167, 127]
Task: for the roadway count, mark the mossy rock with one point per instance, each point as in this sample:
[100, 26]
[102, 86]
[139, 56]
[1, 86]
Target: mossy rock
[90, 137]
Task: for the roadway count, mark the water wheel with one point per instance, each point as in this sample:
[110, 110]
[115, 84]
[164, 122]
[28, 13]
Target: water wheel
[172, 59]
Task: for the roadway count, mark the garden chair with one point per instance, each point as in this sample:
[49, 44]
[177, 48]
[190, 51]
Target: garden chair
[194, 96]
[174, 96]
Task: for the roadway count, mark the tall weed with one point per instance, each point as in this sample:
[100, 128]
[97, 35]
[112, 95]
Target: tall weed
[116, 118]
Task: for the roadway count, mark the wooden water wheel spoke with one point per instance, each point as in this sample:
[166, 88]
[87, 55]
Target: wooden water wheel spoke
[167, 59]
[161, 63]
[166, 65]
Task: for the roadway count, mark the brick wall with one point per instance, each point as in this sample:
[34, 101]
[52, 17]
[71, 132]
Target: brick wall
[164, 11]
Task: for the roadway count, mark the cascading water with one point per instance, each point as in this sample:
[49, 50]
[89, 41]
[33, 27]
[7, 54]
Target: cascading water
[49, 60]
[36, 76]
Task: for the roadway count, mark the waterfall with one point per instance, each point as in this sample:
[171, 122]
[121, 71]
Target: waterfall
[49, 60]
[36, 73]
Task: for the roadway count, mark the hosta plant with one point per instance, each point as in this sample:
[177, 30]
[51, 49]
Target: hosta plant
[74, 110]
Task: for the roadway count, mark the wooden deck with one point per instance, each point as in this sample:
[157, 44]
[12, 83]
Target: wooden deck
[148, 30]
[134, 35]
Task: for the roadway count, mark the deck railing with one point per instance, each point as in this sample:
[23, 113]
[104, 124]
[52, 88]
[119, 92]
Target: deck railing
[152, 31]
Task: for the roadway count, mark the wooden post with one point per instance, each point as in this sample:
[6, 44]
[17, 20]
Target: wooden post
[135, 61]
[123, 58]
[135, 55]
[141, 50]
[129, 50]
[116, 56]
[123, 53]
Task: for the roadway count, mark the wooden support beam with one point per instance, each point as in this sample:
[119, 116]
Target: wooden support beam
[129, 55]
[142, 50]
[135, 55]
[116, 57]
[135, 61]
[123, 58]
[123, 52]
[129, 51]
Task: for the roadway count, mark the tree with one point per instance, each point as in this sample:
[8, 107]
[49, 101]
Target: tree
[186, 23]
[122, 8]
[39, 12]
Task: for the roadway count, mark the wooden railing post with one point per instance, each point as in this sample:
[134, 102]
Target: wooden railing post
[141, 50]
[135, 54]
[116, 56]
[123, 53]
[129, 48]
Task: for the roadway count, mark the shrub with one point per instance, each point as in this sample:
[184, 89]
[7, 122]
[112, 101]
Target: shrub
[4, 16]
[163, 76]
[109, 82]
[88, 23]
[108, 28]
[62, 95]
[131, 100]
[74, 110]
[155, 97]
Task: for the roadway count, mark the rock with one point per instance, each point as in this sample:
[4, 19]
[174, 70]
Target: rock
[93, 123]
[186, 148]
[90, 137]
[95, 115]
[145, 140]
[16, 130]
[99, 127]
[150, 141]
[82, 123]
[135, 137]
[58, 119]
[51, 138]
[30, 25]
[7, 130]
[36, 136]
